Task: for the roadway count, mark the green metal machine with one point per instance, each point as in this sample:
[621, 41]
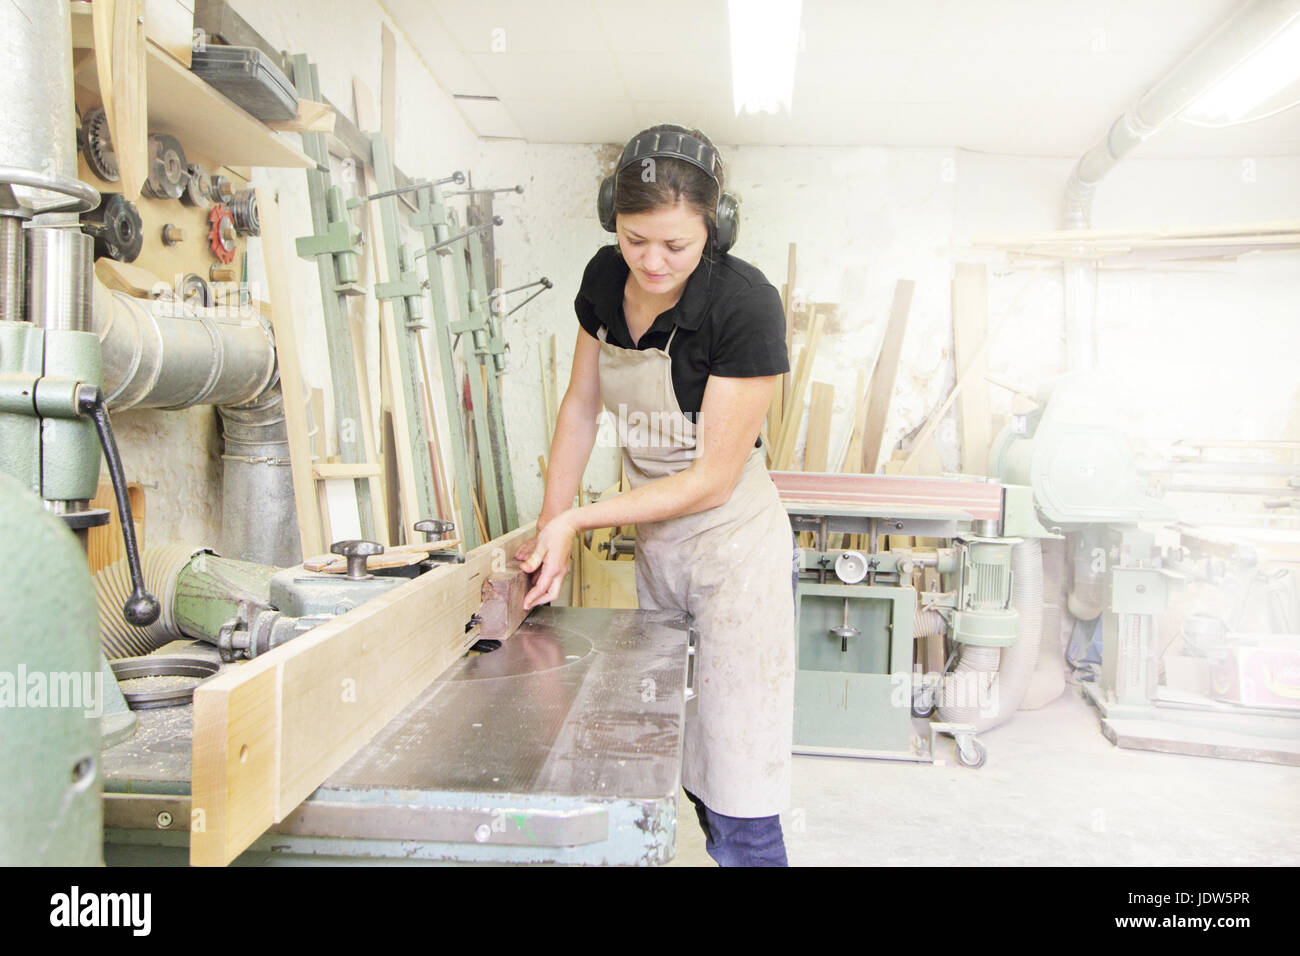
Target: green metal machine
[858, 614]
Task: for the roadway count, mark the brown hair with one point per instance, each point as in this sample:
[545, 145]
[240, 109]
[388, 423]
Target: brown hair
[672, 180]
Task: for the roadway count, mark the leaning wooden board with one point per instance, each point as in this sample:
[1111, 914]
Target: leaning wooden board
[269, 732]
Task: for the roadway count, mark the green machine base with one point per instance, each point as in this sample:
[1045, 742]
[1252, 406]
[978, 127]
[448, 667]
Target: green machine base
[854, 697]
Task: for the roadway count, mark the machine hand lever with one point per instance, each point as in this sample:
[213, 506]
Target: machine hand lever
[141, 608]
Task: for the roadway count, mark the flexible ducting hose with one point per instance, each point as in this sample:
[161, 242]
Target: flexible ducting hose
[988, 683]
[161, 567]
[928, 623]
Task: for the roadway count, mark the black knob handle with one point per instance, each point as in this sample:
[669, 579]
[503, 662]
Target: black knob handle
[434, 526]
[141, 608]
[356, 551]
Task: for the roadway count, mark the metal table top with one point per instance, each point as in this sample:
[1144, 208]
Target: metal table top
[571, 731]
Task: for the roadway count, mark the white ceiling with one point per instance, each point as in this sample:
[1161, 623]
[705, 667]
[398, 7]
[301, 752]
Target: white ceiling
[1021, 77]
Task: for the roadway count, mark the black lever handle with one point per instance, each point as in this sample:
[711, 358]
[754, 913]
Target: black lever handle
[141, 608]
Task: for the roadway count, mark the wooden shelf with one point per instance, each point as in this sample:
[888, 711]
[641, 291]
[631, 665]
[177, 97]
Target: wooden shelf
[1135, 246]
[204, 121]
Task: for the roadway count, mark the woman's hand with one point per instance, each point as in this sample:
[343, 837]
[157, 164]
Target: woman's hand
[549, 556]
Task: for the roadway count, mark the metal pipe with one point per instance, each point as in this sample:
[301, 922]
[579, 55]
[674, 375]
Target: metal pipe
[13, 270]
[176, 361]
[1241, 35]
[259, 521]
[59, 274]
[38, 121]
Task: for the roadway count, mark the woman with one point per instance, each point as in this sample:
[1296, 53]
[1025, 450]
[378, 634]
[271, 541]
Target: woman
[675, 330]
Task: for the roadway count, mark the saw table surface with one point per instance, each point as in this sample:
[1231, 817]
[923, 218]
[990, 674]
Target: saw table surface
[562, 746]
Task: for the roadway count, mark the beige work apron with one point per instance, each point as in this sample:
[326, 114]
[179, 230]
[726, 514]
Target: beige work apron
[729, 568]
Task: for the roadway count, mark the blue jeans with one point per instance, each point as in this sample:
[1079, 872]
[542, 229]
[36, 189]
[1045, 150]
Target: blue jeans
[741, 841]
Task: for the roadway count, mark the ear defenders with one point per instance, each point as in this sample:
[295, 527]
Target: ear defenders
[677, 144]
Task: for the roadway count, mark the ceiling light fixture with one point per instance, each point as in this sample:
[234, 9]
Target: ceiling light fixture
[764, 45]
[1252, 82]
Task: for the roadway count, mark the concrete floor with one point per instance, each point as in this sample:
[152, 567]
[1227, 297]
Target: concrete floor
[1054, 792]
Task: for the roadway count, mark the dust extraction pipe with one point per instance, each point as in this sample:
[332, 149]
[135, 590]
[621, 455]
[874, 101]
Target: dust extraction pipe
[1240, 36]
[154, 360]
[170, 361]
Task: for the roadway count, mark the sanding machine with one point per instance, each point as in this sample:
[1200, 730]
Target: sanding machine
[892, 561]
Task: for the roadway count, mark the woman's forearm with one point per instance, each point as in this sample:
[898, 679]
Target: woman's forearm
[575, 435]
[687, 492]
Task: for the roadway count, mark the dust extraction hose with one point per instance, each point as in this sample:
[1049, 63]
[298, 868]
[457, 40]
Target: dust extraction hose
[162, 568]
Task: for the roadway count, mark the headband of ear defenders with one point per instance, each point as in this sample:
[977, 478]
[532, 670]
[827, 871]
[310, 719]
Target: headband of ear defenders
[649, 144]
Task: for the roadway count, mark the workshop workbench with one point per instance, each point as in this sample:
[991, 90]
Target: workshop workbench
[562, 746]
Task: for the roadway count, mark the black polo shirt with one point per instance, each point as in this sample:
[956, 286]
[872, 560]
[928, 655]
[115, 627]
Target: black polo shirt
[729, 320]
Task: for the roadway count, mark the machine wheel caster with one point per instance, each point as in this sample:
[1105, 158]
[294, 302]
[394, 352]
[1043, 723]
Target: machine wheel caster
[970, 752]
[923, 701]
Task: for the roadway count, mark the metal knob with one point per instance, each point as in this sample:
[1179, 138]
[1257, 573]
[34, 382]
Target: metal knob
[434, 527]
[356, 551]
[844, 632]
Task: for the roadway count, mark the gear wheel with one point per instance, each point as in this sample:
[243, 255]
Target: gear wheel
[198, 191]
[116, 227]
[221, 235]
[244, 208]
[100, 156]
[167, 168]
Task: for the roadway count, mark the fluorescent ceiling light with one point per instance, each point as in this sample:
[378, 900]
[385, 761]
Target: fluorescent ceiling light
[1258, 77]
[764, 44]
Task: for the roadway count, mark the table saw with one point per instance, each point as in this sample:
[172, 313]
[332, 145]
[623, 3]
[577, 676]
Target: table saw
[562, 746]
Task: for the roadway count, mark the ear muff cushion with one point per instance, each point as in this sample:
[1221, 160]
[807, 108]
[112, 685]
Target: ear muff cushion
[605, 203]
[728, 223]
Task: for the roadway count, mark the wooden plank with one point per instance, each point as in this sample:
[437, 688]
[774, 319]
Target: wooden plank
[317, 402]
[234, 760]
[170, 24]
[125, 277]
[547, 400]
[289, 353]
[820, 409]
[852, 459]
[792, 416]
[312, 117]
[104, 544]
[269, 732]
[503, 603]
[325, 470]
[387, 86]
[129, 125]
[970, 314]
[883, 375]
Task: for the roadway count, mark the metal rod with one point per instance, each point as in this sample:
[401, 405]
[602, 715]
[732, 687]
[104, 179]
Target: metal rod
[473, 192]
[497, 293]
[456, 177]
[496, 221]
[526, 301]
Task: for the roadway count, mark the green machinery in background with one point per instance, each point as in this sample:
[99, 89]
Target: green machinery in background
[858, 614]
[1086, 483]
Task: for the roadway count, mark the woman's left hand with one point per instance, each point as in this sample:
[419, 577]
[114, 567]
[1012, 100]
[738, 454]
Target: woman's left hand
[550, 560]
